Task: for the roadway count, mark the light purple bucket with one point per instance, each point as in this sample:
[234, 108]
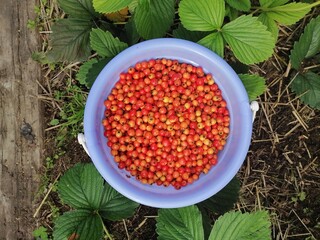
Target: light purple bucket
[230, 158]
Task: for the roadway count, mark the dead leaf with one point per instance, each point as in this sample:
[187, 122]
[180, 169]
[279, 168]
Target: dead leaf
[73, 236]
[119, 16]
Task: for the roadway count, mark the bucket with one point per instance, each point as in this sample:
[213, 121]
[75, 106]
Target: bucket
[230, 158]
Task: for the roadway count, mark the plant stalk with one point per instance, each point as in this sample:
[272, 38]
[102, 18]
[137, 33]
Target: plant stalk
[46, 196]
[105, 229]
[314, 4]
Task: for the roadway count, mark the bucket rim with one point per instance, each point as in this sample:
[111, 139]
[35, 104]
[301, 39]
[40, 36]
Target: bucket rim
[148, 197]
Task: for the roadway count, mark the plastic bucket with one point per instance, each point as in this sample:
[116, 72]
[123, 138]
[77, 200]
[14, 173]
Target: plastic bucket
[230, 158]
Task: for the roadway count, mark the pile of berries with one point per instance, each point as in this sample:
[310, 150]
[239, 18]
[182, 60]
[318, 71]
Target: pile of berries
[165, 122]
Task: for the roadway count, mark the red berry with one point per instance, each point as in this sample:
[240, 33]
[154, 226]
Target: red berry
[165, 122]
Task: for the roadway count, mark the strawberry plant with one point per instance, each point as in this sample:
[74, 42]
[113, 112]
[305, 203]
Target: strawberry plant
[247, 32]
[187, 224]
[40, 233]
[93, 200]
[304, 58]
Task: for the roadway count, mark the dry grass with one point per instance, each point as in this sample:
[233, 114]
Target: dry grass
[283, 162]
[281, 172]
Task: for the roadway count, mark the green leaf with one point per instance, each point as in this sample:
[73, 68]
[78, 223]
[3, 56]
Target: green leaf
[81, 187]
[54, 122]
[95, 71]
[114, 206]
[78, 224]
[131, 34]
[288, 14]
[110, 6]
[84, 70]
[231, 13]
[214, 42]
[105, 44]
[314, 47]
[183, 33]
[202, 15]
[308, 84]
[153, 18]
[223, 200]
[70, 40]
[81, 9]
[272, 3]
[235, 225]
[239, 67]
[41, 233]
[132, 6]
[308, 44]
[206, 221]
[180, 223]
[90, 70]
[270, 24]
[241, 5]
[40, 57]
[254, 84]
[31, 24]
[248, 39]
